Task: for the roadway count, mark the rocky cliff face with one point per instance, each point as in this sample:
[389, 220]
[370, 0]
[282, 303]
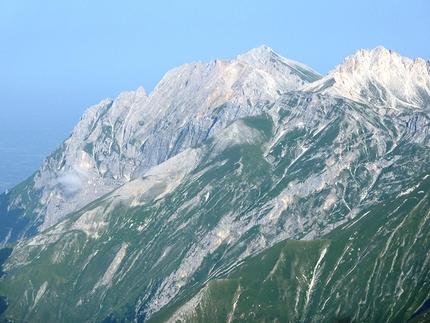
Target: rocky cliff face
[297, 165]
[118, 140]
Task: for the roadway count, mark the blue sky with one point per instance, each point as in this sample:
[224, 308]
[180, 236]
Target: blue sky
[57, 58]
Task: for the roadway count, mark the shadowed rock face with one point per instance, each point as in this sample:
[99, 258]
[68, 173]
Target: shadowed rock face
[288, 164]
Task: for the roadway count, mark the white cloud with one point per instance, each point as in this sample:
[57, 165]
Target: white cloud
[71, 181]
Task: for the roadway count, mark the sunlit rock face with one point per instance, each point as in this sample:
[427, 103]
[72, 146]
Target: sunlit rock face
[380, 77]
[222, 162]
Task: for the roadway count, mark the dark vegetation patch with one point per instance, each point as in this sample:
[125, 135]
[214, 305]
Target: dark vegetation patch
[4, 254]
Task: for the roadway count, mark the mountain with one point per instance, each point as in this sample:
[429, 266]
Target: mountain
[307, 202]
[119, 140]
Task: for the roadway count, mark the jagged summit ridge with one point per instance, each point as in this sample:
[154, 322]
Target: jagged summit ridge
[380, 76]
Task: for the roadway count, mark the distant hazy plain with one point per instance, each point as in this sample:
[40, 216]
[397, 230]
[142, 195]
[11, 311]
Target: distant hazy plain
[25, 142]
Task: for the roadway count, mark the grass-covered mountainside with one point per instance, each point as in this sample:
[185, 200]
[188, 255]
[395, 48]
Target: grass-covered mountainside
[315, 209]
[374, 269]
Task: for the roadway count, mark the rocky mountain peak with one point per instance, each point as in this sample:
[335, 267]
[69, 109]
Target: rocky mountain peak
[264, 58]
[140, 92]
[260, 53]
[380, 63]
[380, 76]
[119, 140]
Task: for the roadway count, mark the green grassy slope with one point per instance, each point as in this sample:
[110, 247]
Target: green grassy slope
[374, 269]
